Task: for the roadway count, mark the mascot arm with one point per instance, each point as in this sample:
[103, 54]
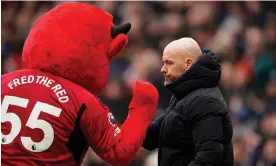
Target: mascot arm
[119, 145]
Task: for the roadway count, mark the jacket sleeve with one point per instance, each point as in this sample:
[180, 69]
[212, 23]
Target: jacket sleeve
[116, 145]
[152, 138]
[207, 132]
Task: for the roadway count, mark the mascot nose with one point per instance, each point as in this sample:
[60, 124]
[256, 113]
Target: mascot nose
[120, 29]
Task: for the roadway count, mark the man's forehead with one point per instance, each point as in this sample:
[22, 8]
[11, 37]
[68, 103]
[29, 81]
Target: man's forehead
[182, 48]
[173, 54]
[167, 55]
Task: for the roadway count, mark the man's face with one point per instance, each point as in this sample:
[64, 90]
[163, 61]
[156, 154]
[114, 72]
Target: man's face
[175, 64]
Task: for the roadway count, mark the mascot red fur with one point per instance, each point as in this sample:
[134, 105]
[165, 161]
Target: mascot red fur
[74, 41]
[50, 112]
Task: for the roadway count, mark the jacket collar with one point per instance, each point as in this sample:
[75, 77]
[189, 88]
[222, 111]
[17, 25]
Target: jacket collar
[205, 73]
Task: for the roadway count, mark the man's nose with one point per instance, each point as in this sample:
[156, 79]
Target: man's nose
[163, 69]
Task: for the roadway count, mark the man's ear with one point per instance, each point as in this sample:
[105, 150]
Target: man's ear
[189, 63]
[117, 45]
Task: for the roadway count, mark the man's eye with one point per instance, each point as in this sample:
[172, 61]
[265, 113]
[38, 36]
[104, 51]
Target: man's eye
[169, 62]
[166, 62]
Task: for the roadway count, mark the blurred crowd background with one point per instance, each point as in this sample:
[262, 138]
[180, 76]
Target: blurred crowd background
[242, 34]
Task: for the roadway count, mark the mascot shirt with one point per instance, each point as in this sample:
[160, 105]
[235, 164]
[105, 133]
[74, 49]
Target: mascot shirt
[47, 119]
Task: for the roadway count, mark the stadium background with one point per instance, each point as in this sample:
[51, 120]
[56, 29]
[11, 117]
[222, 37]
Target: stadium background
[242, 34]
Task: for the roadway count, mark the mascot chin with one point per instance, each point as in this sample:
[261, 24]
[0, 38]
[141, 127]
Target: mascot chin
[66, 59]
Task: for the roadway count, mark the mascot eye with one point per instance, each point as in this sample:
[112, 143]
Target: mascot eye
[121, 29]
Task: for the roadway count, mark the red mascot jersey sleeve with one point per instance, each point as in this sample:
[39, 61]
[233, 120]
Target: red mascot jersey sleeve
[118, 145]
[48, 120]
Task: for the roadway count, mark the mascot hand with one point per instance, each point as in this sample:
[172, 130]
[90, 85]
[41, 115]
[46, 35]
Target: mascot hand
[145, 96]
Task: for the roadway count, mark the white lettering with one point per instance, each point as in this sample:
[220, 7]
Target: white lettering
[50, 81]
[63, 99]
[10, 84]
[30, 79]
[16, 82]
[60, 93]
[24, 80]
[43, 80]
[56, 87]
[38, 79]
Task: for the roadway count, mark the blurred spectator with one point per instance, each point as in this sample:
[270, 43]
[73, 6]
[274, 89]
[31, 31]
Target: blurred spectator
[239, 155]
[269, 152]
[242, 34]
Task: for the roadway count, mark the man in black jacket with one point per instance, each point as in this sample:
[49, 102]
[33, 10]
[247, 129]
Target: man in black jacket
[196, 129]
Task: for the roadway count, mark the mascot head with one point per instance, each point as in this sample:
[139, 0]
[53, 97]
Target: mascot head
[75, 41]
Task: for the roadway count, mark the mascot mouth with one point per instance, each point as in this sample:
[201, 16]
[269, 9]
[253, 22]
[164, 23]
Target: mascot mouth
[121, 29]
